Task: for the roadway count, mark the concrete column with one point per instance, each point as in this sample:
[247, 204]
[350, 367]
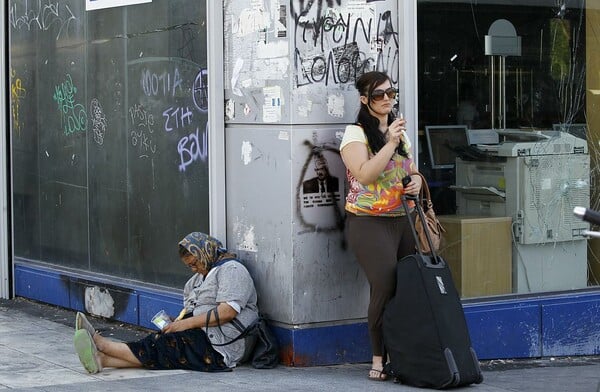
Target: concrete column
[216, 137]
[290, 69]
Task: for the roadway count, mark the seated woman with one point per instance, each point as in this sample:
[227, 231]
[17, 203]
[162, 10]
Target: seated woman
[192, 341]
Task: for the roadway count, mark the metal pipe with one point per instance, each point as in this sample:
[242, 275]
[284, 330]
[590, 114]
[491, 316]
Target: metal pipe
[518, 92]
[492, 92]
[503, 88]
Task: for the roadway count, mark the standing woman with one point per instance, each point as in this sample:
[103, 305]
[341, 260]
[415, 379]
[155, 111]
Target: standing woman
[376, 152]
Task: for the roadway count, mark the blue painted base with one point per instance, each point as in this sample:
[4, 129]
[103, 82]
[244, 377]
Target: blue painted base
[544, 325]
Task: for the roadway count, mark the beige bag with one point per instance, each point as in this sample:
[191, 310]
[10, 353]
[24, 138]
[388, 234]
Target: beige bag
[434, 226]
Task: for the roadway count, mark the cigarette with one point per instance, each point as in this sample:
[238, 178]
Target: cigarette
[401, 115]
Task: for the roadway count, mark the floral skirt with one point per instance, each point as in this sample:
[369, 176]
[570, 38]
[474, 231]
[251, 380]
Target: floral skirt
[189, 350]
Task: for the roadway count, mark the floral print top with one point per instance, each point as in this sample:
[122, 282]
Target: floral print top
[382, 197]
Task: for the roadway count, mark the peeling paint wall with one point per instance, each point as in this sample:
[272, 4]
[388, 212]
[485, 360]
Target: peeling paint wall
[290, 68]
[296, 62]
[258, 184]
[288, 234]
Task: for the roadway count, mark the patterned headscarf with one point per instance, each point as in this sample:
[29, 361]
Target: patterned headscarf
[208, 250]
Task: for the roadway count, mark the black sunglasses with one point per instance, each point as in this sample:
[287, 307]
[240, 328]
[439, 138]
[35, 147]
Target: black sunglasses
[377, 95]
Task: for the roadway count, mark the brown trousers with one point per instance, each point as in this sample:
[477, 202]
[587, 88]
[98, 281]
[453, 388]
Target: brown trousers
[378, 243]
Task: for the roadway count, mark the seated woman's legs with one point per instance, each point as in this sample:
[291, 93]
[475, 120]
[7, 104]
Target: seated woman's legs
[115, 354]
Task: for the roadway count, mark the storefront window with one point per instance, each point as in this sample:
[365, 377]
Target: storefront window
[108, 135]
[507, 140]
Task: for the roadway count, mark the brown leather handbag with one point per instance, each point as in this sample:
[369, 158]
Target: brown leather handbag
[432, 223]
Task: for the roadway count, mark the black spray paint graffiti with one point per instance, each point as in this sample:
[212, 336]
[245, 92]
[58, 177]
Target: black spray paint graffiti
[73, 115]
[304, 9]
[343, 63]
[317, 151]
[42, 15]
[98, 121]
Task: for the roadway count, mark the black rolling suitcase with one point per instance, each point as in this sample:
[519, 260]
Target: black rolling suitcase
[424, 328]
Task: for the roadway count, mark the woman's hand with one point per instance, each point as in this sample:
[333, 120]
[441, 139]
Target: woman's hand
[395, 130]
[177, 326]
[414, 186]
[226, 314]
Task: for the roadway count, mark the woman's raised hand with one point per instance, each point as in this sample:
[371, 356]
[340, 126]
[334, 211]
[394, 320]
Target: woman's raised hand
[395, 130]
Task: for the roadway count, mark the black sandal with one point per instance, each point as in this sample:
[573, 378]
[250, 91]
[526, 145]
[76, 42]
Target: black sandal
[379, 375]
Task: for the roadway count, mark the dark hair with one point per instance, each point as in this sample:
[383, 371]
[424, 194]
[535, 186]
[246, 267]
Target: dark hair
[365, 85]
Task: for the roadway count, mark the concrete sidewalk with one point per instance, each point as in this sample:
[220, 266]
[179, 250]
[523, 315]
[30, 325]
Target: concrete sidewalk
[37, 354]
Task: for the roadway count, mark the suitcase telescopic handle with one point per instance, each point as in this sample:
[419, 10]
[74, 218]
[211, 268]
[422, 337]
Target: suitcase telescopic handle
[421, 213]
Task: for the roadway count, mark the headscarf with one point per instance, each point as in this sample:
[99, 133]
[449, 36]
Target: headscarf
[208, 250]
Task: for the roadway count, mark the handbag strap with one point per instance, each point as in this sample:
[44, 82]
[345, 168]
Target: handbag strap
[425, 196]
[421, 215]
[424, 193]
[419, 207]
[237, 324]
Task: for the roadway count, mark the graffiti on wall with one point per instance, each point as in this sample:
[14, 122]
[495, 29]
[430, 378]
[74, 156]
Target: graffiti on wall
[175, 101]
[141, 134]
[323, 189]
[302, 8]
[323, 46]
[336, 46]
[193, 147]
[17, 95]
[320, 192]
[200, 90]
[73, 114]
[43, 15]
[98, 120]
[172, 101]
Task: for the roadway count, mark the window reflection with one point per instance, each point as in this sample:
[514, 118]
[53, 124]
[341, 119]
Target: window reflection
[514, 71]
[545, 84]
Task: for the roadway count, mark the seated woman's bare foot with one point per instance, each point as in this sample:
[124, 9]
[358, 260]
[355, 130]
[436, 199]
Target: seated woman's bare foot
[100, 341]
